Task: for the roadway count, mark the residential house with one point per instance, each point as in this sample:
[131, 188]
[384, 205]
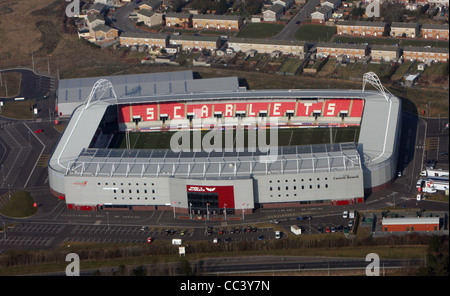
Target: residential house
[189, 42]
[94, 20]
[321, 15]
[97, 8]
[360, 28]
[219, 22]
[285, 3]
[296, 48]
[150, 5]
[274, 13]
[183, 20]
[104, 33]
[150, 17]
[144, 38]
[410, 30]
[105, 2]
[334, 4]
[386, 53]
[423, 54]
[434, 31]
[356, 51]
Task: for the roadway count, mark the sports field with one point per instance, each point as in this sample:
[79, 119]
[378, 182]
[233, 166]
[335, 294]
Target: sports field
[235, 138]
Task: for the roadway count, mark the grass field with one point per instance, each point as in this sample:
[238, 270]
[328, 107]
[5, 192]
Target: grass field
[308, 32]
[285, 137]
[259, 30]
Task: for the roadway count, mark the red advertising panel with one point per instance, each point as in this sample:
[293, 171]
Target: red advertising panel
[334, 107]
[357, 108]
[226, 193]
[307, 108]
[200, 110]
[148, 112]
[280, 108]
[226, 109]
[124, 113]
[173, 110]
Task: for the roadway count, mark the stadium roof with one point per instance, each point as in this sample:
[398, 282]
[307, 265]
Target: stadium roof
[166, 163]
[78, 89]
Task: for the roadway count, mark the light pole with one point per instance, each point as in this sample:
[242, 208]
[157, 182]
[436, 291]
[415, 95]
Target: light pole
[207, 211]
[243, 211]
[174, 203]
[225, 210]
[190, 210]
[107, 218]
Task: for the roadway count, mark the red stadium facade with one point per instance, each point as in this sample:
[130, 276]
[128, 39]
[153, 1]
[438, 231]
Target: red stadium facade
[149, 112]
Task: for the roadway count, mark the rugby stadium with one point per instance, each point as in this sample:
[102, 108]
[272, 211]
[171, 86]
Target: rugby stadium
[170, 141]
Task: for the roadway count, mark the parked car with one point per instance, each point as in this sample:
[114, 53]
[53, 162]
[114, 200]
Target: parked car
[38, 131]
[149, 240]
[345, 215]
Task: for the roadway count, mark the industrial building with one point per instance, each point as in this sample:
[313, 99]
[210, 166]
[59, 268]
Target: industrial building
[410, 224]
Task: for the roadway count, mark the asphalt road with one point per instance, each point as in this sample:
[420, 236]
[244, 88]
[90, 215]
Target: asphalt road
[288, 31]
[121, 19]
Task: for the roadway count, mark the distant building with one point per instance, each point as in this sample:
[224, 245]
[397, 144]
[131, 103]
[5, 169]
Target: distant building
[150, 5]
[410, 30]
[322, 14]
[267, 46]
[149, 17]
[274, 13]
[189, 42]
[217, 22]
[422, 54]
[144, 38]
[183, 20]
[356, 51]
[433, 31]
[360, 28]
[386, 53]
[333, 4]
[410, 224]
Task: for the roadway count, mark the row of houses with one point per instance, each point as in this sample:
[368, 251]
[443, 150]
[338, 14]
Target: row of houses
[386, 53]
[397, 29]
[294, 48]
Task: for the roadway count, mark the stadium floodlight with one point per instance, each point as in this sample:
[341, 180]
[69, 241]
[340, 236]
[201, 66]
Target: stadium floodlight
[373, 79]
[101, 86]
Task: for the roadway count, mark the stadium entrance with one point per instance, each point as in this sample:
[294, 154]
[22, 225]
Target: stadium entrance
[212, 199]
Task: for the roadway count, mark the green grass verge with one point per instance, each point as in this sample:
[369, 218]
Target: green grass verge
[259, 30]
[20, 205]
[310, 32]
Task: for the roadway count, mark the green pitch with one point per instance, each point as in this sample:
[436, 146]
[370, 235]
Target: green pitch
[284, 137]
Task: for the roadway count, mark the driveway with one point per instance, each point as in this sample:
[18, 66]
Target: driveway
[121, 19]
